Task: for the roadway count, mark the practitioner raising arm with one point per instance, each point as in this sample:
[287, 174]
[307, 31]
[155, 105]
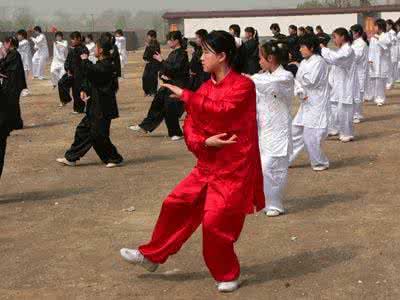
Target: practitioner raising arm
[221, 131]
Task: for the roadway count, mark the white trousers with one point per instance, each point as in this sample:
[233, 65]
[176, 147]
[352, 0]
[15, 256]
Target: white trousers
[56, 71]
[311, 139]
[275, 171]
[38, 65]
[358, 107]
[378, 89]
[341, 119]
[392, 75]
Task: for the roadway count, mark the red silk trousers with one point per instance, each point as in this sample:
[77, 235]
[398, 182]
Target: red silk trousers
[182, 213]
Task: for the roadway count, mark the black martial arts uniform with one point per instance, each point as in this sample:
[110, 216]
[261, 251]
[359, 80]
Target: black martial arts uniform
[73, 78]
[280, 38]
[10, 90]
[294, 47]
[163, 107]
[14, 83]
[197, 74]
[150, 74]
[100, 83]
[250, 57]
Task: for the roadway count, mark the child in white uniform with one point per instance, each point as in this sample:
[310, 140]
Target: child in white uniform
[60, 52]
[120, 42]
[274, 90]
[310, 125]
[24, 49]
[345, 84]
[41, 55]
[91, 45]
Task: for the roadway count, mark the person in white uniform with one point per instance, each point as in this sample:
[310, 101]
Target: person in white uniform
[360, 47]
[91, 45]
[379, 62]
[392, 35]
[60, 52]
[41, 54]
[24, 49]
[397, 26]
[274, 88]
[120, 42]
[310, 125]
[345, 85]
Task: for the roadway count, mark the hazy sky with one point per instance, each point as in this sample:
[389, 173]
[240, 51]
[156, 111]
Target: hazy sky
[93, 6]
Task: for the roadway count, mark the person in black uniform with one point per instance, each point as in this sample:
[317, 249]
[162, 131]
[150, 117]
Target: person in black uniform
[99, 93]
[73, 78]
[293, 44]
[150, 74]
[114, 52]
[250, 52]
[197, 74]
[277, 35]
[174, 70]
[13, 76]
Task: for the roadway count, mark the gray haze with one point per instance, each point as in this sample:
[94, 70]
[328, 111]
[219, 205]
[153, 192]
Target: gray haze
[96, 6]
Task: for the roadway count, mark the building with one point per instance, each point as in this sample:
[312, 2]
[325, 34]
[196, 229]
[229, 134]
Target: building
[329, 18]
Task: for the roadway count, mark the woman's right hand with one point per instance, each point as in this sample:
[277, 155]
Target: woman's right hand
[218, 141]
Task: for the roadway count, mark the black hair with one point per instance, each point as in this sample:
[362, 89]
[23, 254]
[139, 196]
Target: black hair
[76, 35]
[12, 40]
[119, 31]
[311, 42]
[219, 41]
[89, 36]
[22, 33]
[177, 35]
[59, 33]
[202, 33]
[152, 34]
[236, 29]
[318, 27]
[301, 28]
[310, 29]
[344, 33]
[109, 36]
[293, 27]
[275, 26]
[38, 29]
[278, 50]
[104, 43]
[381, 24]
[253, 32]
[357, 28]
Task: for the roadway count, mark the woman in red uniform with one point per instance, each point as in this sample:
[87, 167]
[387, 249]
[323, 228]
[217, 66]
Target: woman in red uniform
[226, 184]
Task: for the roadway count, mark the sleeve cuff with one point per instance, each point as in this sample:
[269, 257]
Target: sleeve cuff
[186, 95]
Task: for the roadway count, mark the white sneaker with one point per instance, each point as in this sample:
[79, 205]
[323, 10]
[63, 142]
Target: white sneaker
[272, 213]
[137, 128]
[66, 162]
[379, 104]
[25, 93]
[114, 165]
[389, 86]
[42, 78]
[228, 287]
[333, 133]
[320, 168]
[356, 121]
[176, 138]
[346, 139]
[134, 256]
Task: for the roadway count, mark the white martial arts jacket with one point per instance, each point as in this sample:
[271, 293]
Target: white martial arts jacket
[312, 84]
[343, 78]
[379, 56]
[361, 51]
[91, 46]
[41, 45]
[394, 51]
[120, 42]
[238, 42]
[24, 49]
[274, 100]
[60, 52]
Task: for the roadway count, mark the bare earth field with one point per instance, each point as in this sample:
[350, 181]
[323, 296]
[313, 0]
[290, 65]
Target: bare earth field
[61, 228]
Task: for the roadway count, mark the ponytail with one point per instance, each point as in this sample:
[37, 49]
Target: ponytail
[343, 32]
[278, 50]
[177, 35]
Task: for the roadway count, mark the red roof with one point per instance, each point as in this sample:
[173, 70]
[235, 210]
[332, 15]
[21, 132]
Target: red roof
[278, 12]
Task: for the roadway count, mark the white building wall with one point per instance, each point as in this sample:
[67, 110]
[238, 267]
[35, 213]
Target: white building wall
[328, 22]
[391, 15]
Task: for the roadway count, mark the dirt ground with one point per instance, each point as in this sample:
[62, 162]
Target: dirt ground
[61, 228]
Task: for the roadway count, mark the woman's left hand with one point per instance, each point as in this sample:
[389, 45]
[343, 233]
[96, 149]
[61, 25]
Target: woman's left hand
[158, 57]
[177, 92]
